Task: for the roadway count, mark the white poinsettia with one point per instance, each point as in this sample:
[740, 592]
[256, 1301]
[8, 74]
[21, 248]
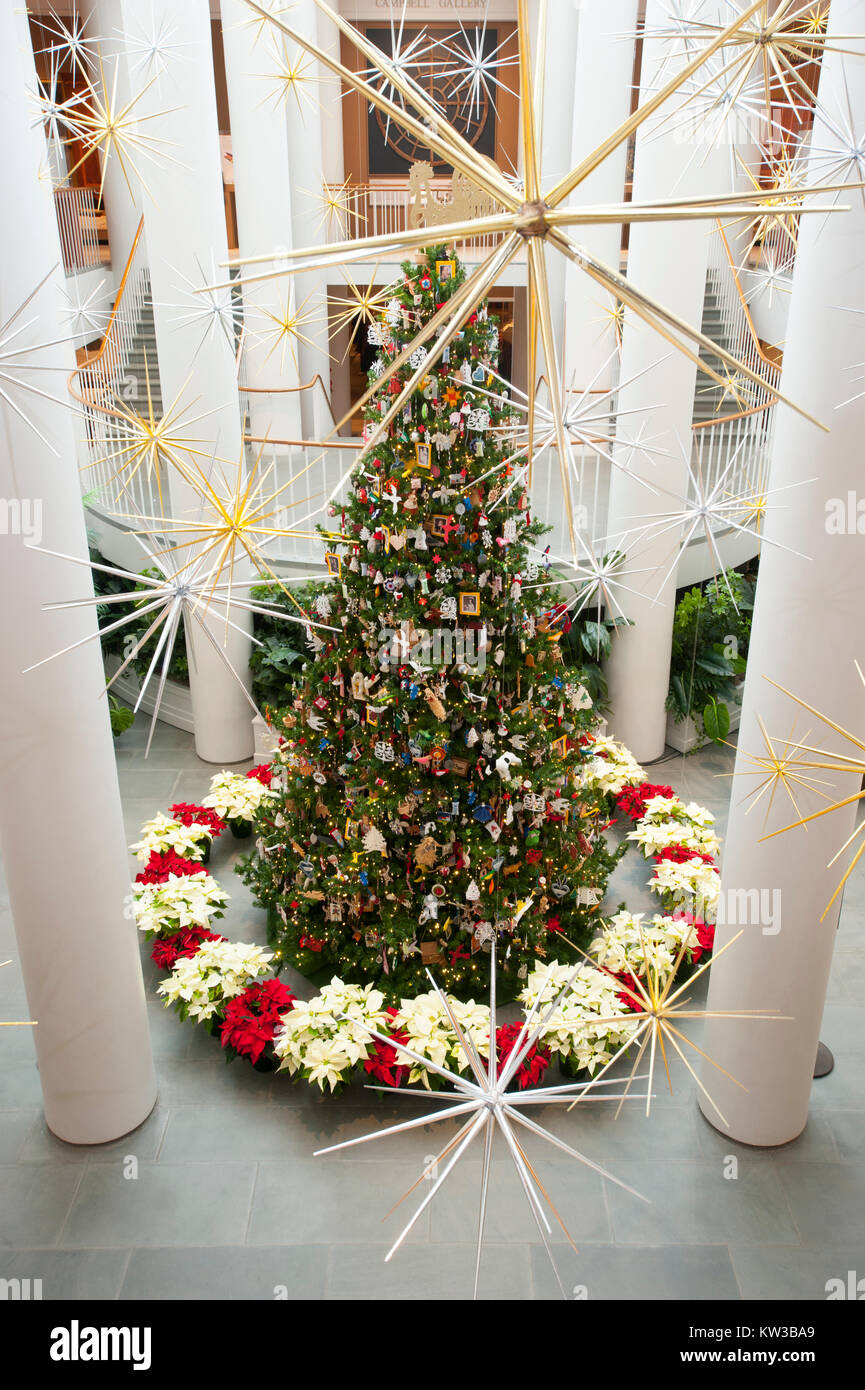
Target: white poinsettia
[163, 833]
[574, 1029]
[653, 836]
[234, 797]
[323, 1038]
[628, 944]
[200, 984]
[188, 900]
[661, 808]
[611, 767]
[430, 1032]
[694, 886]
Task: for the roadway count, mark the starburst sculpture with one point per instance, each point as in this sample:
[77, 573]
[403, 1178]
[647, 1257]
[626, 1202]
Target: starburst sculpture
[486, 1107]
[837, 150]
[151, 50]
[176, 596]
[777, 767]
[239, 518]
[293, 78]
[19, 358]
[355, 307]
[710, 508]
[659, 1010]
[85, 313]
[143, 445]
[783, 197]
[597, 581]
[773, 276]
[774, 44]
[407, 57]
[69, 41]
[55, 113]
[475, 66]
[112, 127]
[831, 762]
[215, 312]
[534, 221]
[338, 207]
[282, 327]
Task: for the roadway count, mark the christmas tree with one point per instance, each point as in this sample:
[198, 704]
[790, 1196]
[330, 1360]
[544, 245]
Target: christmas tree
[431, 786]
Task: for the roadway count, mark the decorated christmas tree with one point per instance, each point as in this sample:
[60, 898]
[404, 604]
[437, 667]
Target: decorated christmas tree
[431, 788]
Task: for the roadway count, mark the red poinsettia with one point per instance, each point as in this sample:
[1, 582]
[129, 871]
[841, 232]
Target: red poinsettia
[263, 774]
[632, 800]
[189, 814]
[384, 1063]
[534, 1064]
[680, 854]
[251, 1018]
[159, 867]
[705, 934]
[167, 950]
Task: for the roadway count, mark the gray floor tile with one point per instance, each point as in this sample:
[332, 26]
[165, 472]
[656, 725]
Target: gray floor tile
[44, 1147]
[605, 1272]
[814, 1144]
[34, 1202]
[19, 1086]
[827, 1201]
[425, 1272]
[576, 1191]
[15, 1125]
[848, 1131]
[773, 1273]
[230, 1272]
[323, 1200]
[694, 1204]
[167, 1204]
[68, 1274]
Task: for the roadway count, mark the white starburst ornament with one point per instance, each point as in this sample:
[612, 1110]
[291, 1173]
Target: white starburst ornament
[214, 312]
[19, 355]
[475, 65]
[486, 1109]
[178, 595]
[151, 50]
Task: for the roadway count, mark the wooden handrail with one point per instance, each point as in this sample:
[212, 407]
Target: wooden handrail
[100, 351]
[305, 443]
[743, 301]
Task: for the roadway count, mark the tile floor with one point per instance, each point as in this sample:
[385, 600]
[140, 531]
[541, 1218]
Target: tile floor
[230, 1203]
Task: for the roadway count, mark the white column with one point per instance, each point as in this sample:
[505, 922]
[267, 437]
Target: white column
[60, 822]
[601, 86]
[560, 48]
[307, 175]
[184, 218]
[259, 142]
[807, 631]
[668, 261]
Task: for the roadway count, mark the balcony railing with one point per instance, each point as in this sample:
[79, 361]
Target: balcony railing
[83, 228]
[393, 205]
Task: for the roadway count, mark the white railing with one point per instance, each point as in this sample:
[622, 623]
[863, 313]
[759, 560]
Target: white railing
[743, 425]
[382, 207]
[83, 228]
[102, 384]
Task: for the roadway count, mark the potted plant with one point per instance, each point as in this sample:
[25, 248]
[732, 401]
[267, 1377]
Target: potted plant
[711, 630]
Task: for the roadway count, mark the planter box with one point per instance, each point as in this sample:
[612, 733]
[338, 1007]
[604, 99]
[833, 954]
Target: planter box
[176, 705]
[685, 735]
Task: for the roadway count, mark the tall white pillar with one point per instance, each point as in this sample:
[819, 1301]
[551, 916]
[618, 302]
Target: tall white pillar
[184, 216]
[61, 828]
[601, 87]
[668, 261]
[260, 150]
[807, 630]
[307, 174]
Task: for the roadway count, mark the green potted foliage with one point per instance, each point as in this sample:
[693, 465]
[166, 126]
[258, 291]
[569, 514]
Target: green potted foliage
[711, 631]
